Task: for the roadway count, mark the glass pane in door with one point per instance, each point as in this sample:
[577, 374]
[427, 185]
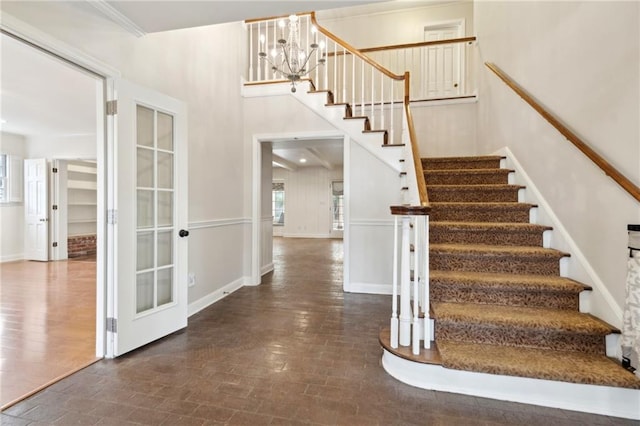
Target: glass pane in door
[155, 225]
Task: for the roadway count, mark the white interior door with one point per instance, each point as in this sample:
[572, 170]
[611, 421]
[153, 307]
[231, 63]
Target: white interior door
[442, 62]
[36, 210]
[150, 299]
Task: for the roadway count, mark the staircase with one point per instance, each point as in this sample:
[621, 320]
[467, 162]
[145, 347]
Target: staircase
[499, 303]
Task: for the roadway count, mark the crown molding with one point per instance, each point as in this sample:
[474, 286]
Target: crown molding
[116, 16]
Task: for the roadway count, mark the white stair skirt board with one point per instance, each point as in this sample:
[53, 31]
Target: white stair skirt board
[603, 400]
[369, 288]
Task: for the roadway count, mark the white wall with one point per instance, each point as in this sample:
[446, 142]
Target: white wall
[446, 129]
[65, 147]
[371, 189]
[307, 200]
[581, 60]
[202, 67]
[12, 214]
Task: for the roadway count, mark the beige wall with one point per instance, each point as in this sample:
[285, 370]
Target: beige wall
[394, 27]
[580, 60]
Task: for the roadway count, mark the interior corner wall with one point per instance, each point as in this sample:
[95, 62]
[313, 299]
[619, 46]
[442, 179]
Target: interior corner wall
[581, 61]
[12, 214]
[186, 65]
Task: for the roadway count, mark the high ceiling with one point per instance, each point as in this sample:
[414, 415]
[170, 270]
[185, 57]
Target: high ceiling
[154, 16]
[35, 97]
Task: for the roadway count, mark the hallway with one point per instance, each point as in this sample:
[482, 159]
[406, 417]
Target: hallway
[294, 350]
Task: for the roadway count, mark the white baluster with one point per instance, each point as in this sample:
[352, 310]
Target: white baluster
[362, 114]
[344, 75]
[335, 72]
[426, 302]
[250, 77]
[353, 84]
[373, 117]
[382, 123]
[392, 114]
[405, 284]
[394, 300]
[416, 286]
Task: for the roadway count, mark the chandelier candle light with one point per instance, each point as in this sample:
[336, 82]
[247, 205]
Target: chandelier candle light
[290, 60]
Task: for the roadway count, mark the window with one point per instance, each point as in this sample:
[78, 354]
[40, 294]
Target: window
[10, 179]
[277, 203]
[337, 202]
[3, 178]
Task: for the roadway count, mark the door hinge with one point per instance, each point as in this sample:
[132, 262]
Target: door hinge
[54, 170]
[54, 207]
[55, 244]
[112, 325]
[112, 216]
[112, 107]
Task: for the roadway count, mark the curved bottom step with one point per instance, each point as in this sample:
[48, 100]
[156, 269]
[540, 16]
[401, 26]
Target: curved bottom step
[603, 400]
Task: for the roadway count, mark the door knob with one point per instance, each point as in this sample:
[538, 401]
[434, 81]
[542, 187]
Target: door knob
[183, 233]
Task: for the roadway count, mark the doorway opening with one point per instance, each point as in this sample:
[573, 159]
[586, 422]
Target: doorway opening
[50, 305]
[300, 193]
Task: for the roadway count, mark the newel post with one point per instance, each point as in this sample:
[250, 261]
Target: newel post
[409, 267]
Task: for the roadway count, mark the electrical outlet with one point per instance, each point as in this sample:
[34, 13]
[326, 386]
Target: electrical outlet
[192, 279]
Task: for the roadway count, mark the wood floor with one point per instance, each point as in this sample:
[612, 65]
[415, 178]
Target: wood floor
[47, 323]
[295, 350]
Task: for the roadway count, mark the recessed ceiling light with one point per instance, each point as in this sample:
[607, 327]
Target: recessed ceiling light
[2, 121]
[303, 160]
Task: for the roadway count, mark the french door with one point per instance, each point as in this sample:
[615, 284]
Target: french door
[149, 221]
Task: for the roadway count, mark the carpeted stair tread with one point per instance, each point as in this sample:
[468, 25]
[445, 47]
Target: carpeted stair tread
[567, 366]
[445, 163]
[474, 193]
[492, 250]
[495, 233]
[507, 281]
[495, 258]
[505, 289]
[467, 176]
[523, 317]
[480, 211]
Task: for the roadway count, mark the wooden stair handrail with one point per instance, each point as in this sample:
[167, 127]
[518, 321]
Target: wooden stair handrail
[353, 50]
[604, 165]
[414, 45]
[422, 187]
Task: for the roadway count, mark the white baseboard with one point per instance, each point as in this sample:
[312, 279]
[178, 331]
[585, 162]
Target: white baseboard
[266, 268]
[369, 288]
[214, 296]
[11, 258]
[603, 400]
[307, 235]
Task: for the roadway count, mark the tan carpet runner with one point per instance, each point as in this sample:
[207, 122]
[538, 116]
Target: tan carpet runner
[499, 303]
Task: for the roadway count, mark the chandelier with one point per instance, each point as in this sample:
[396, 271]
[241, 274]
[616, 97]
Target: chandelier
[288, 59]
